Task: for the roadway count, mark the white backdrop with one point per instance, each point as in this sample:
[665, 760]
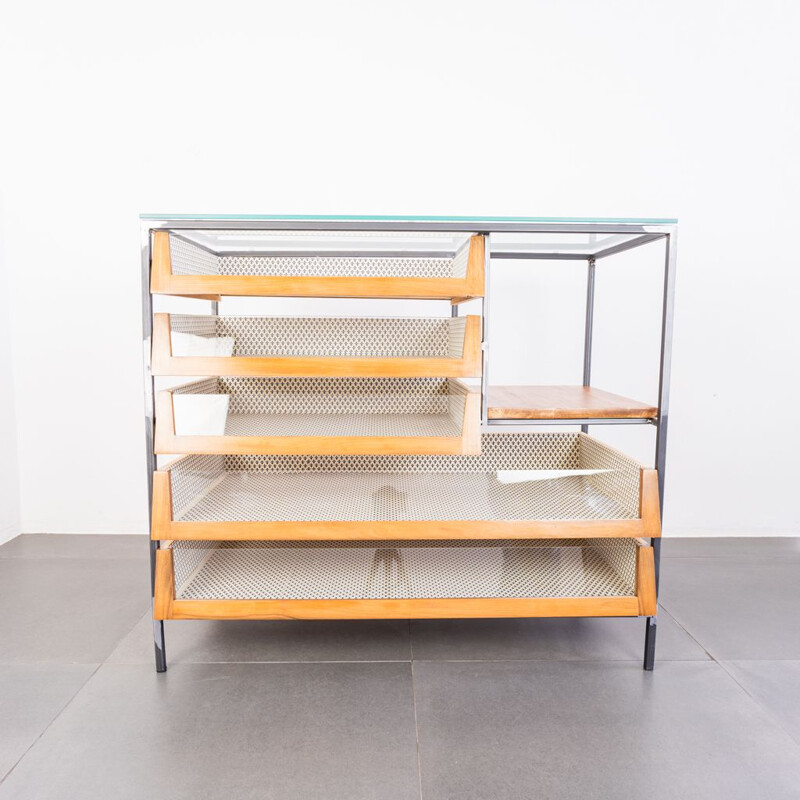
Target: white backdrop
[620, 108]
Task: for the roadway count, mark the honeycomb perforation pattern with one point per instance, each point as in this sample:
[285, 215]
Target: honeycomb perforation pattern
[380, 497]
[337, 267]
[289, 570]
[622, 481]
[361, 424]
[191, 476]
[189, 259]
[332, 336]
[331, 395]
[187, 559]
[498, 451]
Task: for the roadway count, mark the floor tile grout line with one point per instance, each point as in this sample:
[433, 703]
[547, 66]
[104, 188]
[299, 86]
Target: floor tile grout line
[49, 724]
[416, 726]
[684, 629]
[766, 711]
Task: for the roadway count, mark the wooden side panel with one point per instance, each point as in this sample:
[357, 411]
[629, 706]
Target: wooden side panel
[161, 264]
[646, 581]
[161, 347]
[456, 608]
[649, 507]
[471, 426]
[161, 521]
[476, 278]
[164, 585]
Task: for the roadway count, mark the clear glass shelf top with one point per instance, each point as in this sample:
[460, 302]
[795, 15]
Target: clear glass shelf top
[405, 218]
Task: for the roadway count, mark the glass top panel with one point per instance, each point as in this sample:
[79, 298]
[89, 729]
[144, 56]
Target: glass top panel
[578, 244]
[404, 218]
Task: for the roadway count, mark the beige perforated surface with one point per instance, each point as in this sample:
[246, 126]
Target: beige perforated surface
[379, 496]
[331, 395]
[417, 407]
[410, 486]
[189, 259]
[332, 336]
[346, 570]
[415, 425]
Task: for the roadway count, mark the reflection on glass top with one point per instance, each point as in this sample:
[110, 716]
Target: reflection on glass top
[275, 242]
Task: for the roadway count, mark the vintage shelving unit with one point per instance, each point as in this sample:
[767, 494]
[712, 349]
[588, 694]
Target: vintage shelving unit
[351, 469]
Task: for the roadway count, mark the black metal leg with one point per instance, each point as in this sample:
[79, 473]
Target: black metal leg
[158, 625]
[650, 630]
[158, 638]
[650, 645]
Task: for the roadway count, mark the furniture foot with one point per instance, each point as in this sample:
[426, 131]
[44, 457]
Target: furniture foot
[158, 640]
[650, 645]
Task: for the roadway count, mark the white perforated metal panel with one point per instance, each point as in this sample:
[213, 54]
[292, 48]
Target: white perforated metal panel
[419, 487]
[332, 336]
[190, 259]
[418, 407]
[364, 496]
[346, 570]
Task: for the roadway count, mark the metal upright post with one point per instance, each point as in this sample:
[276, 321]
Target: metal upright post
[149, 422]
[662, 419]
[487, 257]
[587, 335]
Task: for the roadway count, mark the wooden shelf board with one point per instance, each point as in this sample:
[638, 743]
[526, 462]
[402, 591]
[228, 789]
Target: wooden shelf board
[563, 402]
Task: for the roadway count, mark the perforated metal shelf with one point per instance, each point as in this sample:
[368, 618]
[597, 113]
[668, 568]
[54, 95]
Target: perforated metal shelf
[329, 337]
[353, 570]
[323, 254]
[331, 407]
[396, 496]
[365, 488]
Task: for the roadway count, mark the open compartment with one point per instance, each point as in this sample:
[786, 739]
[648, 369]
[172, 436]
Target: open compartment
[447, 347]
[318, 264]
[319, 416]
[397, 579]
[522, 485]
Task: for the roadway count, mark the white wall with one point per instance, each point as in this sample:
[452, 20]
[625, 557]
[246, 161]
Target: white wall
[554, 108]
[9, 466]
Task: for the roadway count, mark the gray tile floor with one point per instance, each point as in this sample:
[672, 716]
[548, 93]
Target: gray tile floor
[463, 709]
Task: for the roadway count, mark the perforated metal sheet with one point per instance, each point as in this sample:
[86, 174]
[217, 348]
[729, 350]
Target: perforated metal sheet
[419, 407]
[332, 336]
[416, 425]
[498, 451]
[332, 395]
[192, 476]
[189, 259]
[440, 487]
[188, 558]
[339, 570]
[594, 454]
[397, 496]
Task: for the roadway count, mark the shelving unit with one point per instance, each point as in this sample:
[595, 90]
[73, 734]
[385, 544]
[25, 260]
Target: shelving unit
[339, 468]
